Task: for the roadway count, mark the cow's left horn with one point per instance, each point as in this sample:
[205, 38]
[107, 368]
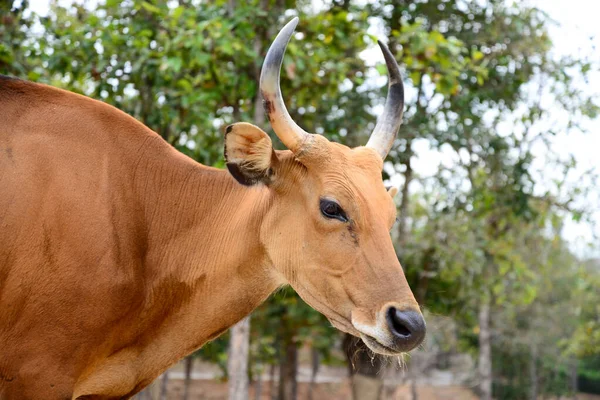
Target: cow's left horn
[292, 136]
[385, 131]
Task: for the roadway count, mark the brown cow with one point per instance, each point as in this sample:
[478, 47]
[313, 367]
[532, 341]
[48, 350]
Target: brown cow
[119, 255]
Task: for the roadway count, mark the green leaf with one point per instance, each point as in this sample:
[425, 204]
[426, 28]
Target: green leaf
[150, 7]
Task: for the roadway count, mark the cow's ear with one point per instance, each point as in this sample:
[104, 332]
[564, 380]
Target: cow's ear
[249, 154]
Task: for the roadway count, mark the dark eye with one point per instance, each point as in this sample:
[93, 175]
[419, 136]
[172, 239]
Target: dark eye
[331, 209]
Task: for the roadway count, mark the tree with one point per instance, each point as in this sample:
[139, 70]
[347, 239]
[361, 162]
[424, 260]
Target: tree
[14, 29]
[237, 361]
[472, 66]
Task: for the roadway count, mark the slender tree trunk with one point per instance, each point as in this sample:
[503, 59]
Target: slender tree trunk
[164, 383]
[237, 360]
[364, 368]
[288, 387]
[533, 373]
[366, 387]
[485, 352]
[144, 394]
[150, 392]
[574, 383]
[315, 370]
[405, 199]
[258, 387]
[413, 389]
[189, 364]
[259, 111]
[272, 388]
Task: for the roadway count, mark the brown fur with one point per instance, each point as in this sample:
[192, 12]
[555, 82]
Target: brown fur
[119, 255]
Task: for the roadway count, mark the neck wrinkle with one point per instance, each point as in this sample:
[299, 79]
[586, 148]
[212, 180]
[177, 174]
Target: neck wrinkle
[205, 267]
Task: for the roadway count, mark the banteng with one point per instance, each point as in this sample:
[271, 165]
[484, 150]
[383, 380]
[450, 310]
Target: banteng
[119, 255]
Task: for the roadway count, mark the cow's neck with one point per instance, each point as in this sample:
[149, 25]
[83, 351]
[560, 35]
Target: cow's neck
[204, 263]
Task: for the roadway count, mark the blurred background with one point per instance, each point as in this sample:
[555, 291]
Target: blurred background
[496, 165]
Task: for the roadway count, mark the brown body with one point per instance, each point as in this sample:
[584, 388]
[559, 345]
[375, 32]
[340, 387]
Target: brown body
[119, 255]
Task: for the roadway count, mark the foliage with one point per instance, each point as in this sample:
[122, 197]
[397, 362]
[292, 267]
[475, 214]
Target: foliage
[13, 33]
[186, 69]
[586, 338]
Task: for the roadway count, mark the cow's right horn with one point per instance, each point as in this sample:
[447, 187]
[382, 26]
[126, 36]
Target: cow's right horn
[292, 136]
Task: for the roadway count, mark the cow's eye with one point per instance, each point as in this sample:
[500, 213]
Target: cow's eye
[331, 209]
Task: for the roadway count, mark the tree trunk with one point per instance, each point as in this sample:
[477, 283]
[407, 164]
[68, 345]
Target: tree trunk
[189, 364]
[164, 383]
[574, 383]
[272, 389]
[533, 373]
[237, 360]
[150, 392]
[258, 387]
[364, 368]
[315, 370]
[288, 369]
[366, 387]
[413, 389]
[485, 352]
[144, 394]
[405, 199]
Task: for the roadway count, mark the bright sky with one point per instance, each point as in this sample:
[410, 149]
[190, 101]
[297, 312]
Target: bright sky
[577, 32]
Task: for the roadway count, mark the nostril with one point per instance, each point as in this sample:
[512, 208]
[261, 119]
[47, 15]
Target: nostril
[407, 326]
[397, 323]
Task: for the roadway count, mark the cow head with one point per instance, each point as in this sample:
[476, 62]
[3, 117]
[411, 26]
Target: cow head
[327, 228]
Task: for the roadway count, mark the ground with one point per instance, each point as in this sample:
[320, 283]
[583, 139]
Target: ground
[332, 384]
[211, 390]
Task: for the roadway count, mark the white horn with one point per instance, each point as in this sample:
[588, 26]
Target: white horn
[384, 134]
[292, 136]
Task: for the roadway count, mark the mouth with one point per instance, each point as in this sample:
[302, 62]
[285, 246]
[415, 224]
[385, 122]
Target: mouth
[349, 325]
[377, 347]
